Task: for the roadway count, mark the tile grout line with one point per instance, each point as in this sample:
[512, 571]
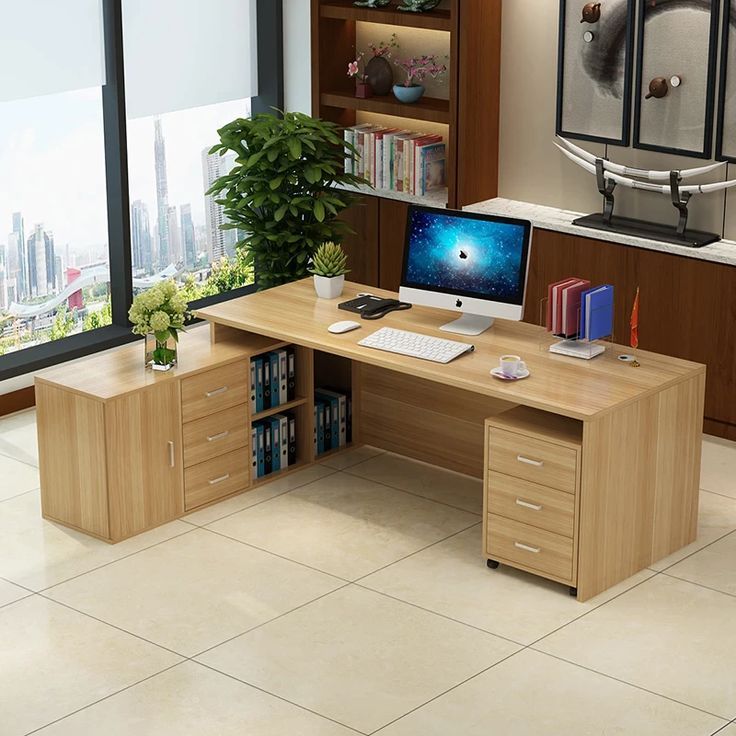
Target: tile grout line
[258, 503]
[18, 495]
[18, 460]
[412, 493]
[111, 625]
[102, 699]
[280, 697]
[449, 690]
[718, 493]
[271, 620]
[694, 552]
[725, 726]
[112, 562]
[630, 684]
[699, 585]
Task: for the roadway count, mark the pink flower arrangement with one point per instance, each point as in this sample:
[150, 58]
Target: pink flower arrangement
[382, 49]
[354, 67]
[418, 68]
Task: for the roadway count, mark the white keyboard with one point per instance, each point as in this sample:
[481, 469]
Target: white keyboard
[415, 345]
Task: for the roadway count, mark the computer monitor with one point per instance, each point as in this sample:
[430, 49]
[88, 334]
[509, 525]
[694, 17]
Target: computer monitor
[466, 262]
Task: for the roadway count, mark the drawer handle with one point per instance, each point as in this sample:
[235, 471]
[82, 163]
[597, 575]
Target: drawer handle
[527, 548]
[529, 461]
[527, 505]
[215, 481]
[170, 445]
[215, 437]
[216, 392]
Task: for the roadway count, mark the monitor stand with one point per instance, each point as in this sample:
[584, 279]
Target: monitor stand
[468, 324]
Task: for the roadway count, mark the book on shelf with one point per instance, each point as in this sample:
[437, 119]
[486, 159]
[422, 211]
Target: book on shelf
[273, 379]
[397, 160]
[273, 444]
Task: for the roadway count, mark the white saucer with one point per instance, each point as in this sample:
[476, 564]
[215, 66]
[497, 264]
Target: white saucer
[496, 372]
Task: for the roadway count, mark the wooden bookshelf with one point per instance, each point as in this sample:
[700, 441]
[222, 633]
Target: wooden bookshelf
[278, 409]
[428, 108]
[438, 20]
[469, 117]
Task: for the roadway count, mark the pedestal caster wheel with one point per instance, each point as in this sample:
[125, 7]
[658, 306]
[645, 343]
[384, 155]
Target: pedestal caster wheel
[493, 564]
[573, 592]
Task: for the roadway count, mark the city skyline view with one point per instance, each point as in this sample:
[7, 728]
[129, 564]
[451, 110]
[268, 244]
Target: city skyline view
[54, 203]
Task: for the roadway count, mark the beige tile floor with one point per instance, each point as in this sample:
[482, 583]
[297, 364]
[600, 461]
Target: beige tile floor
[351, 598]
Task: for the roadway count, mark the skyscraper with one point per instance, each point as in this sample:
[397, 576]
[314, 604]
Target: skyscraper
[162, 195]
[175, 251]
[3, 277]
[140, 237]
[41, 266]
[219, 242]
[188, 242]
[22, 286]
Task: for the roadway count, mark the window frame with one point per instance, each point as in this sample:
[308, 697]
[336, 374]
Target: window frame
[270, 99]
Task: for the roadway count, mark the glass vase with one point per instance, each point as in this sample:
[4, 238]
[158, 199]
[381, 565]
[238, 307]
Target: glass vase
[160, 354]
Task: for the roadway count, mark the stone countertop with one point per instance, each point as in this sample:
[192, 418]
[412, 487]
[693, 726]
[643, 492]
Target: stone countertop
[552, 218]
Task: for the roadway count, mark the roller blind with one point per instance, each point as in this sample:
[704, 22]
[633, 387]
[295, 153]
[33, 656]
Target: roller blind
[181, 54]
[50, 46]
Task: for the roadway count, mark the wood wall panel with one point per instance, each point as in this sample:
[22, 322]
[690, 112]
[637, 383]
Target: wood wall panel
[392, 235]
[361, 247]
[688, 306]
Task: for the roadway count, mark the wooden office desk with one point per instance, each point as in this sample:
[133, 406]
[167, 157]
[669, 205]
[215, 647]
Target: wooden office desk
[626, 441]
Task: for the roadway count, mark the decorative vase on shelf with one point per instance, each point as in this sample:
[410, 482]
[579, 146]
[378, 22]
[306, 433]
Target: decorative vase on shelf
[329, 287]
[363, 89]
[161, 355]
[380, 75]
[410, 94]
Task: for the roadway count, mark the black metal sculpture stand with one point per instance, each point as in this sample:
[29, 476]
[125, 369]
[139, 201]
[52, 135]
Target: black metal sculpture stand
[640, 228]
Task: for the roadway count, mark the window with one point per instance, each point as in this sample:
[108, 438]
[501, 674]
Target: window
[104, 157]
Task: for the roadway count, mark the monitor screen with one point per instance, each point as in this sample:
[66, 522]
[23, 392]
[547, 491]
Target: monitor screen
[466, 254]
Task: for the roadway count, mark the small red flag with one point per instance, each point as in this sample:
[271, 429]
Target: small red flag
[635, 321]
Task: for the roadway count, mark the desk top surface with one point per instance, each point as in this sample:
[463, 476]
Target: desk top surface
[568, 386]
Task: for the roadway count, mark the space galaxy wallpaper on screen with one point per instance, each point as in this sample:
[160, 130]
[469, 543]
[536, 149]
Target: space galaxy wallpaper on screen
[459, 254]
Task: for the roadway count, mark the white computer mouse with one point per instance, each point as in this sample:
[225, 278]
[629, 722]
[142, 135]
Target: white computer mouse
[338, 328]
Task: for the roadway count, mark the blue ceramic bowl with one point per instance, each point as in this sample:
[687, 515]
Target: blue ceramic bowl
[408, 94]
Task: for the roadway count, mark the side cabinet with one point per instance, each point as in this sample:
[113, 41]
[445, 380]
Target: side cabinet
[112, 469]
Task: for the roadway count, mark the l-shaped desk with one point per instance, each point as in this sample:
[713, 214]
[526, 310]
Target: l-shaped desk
[591, 468]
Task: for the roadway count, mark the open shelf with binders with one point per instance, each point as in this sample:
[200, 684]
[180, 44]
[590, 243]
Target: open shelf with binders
[332, 425]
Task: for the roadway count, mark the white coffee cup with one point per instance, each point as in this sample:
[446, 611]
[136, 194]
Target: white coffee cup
[512, 366]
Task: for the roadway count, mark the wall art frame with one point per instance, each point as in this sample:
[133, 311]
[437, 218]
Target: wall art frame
[599, 71]
[728, 40]
[704, 151]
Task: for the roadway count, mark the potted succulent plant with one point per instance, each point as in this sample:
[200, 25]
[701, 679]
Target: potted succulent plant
[329, 266]
[159, 315]
[417, 69]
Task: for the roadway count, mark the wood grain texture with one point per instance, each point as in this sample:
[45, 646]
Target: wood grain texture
[392, 231]
[24, 398]
[361, 247]
[215, 435]
[688, 307]
[144, 460]
[217, 478]
[71, 454]
[565, 386]
[447, 423]
[531, 503]
[215, 390]
[478, 97]
[530, 548]
[118, 372]
[540, 425]
[532, 459]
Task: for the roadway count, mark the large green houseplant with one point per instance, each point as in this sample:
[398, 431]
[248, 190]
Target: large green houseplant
[282, 193]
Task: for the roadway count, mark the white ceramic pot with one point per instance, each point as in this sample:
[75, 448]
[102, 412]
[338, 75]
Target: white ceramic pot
[329, 288]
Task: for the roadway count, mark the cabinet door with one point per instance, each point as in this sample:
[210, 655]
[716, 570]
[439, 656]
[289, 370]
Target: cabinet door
[393, 233]
[362, 246]
[143, 435]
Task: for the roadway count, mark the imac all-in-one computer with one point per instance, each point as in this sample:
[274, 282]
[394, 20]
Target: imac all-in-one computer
[470, 263]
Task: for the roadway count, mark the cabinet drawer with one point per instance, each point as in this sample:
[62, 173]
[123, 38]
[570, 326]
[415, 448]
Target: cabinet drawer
[216, 478]
[214, 390]
[531, 459]
[531, 503]
[529, 546]
[215, 435]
